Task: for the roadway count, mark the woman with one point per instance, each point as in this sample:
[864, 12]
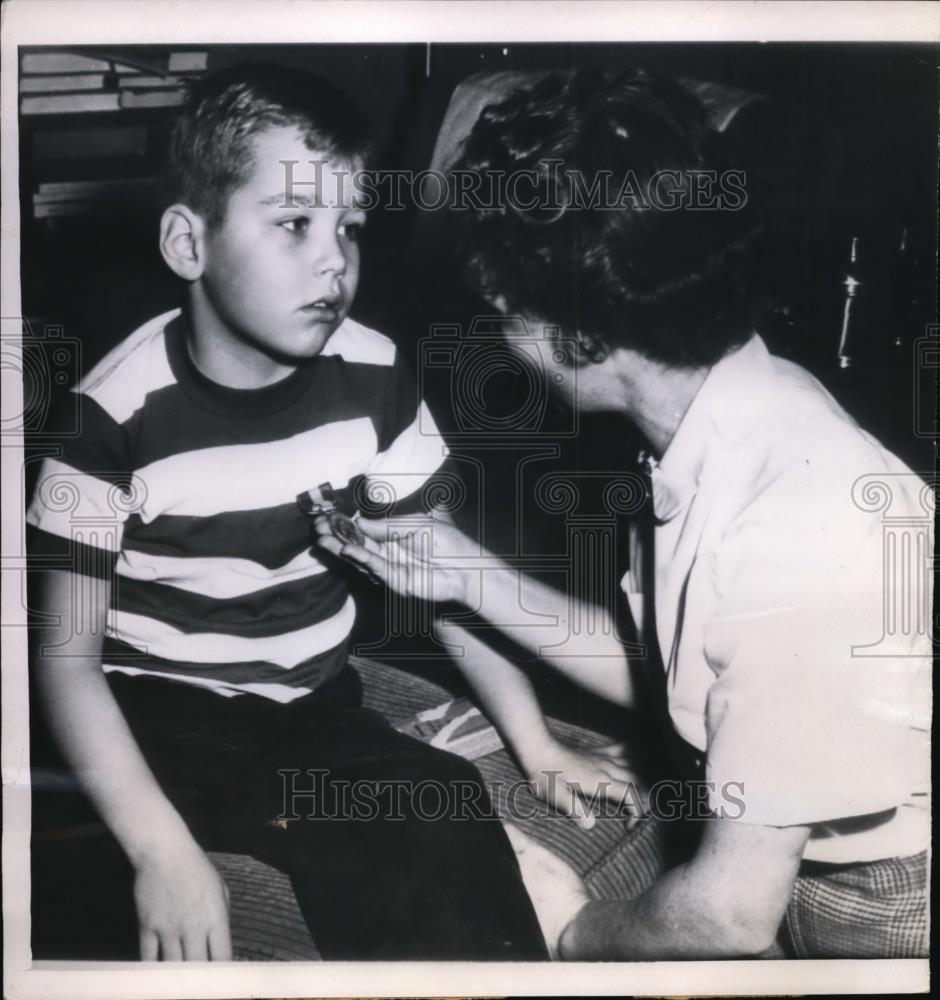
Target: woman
[757, 576]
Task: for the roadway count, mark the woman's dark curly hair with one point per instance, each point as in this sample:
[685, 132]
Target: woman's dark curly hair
[674, 284]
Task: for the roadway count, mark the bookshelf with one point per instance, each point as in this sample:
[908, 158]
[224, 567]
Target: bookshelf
[92, 127]
[90, 124]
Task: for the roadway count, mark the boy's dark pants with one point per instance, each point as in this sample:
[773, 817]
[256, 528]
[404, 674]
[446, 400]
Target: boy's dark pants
[398, 885]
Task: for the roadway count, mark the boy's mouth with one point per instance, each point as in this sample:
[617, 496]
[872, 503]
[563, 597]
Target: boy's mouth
[326, 310]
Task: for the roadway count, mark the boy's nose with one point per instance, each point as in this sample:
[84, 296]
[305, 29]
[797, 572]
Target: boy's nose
[329, 258]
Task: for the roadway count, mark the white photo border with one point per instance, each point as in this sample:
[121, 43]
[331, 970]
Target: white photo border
[86, 22]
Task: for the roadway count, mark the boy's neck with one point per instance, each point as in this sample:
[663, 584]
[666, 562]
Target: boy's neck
[222, 356]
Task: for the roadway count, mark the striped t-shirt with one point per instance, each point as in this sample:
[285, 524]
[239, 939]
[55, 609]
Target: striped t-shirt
[184, 492]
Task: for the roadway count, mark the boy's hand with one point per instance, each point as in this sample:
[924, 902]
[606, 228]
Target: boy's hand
[555, 888]
[416, 557]
[182, 907]
[565, 778]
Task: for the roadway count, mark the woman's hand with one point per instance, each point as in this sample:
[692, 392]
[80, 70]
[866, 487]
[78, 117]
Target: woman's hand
[568, 779]
[419, 556]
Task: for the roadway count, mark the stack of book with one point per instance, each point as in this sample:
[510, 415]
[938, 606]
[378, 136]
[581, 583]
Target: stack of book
[59, 198]
[62, 83]
[85, 156]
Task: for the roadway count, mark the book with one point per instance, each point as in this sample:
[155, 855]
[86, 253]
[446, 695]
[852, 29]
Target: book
[188, 62]
[59, 104]
[151, 99]
[58, 209]
[457, 726]
[105, 201]
[67, 81]
[79, 190]
[143, 82]
[144, 59]
[61, 62]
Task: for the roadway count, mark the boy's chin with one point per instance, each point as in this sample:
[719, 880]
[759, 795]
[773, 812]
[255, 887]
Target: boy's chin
[295, 357]
[305, 346]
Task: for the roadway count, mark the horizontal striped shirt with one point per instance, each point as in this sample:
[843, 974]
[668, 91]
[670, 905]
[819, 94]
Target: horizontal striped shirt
[183, 493]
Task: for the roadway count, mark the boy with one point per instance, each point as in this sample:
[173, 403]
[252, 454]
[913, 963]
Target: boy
[201, 646]
[760, 578]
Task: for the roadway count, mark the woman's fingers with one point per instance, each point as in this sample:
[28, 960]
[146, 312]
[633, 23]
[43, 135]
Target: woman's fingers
[369, 555]
[375, 562]
[404, 560]
[615, 751]
[375, 529]
[328, 540]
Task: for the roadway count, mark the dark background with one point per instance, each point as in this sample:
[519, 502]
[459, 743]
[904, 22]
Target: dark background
[845, 139]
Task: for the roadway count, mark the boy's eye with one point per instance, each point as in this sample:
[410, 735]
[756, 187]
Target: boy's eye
[295, 226]
[351, 230]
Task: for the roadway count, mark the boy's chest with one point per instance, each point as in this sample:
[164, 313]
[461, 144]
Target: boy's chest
[207, 492]
[238, 476]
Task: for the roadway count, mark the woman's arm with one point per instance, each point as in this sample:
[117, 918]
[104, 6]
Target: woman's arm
[449, 567]
[727, 902]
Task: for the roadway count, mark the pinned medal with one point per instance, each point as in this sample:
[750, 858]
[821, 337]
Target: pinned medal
[345, 528]
[322, 501]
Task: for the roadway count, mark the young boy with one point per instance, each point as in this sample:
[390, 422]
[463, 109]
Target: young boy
[200, 648]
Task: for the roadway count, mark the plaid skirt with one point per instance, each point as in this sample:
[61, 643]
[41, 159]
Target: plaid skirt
[872, 910]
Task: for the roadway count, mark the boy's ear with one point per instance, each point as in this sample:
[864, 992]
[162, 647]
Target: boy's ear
[182, 243]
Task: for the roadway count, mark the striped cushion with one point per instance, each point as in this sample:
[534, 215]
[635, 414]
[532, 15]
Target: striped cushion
[265, 920]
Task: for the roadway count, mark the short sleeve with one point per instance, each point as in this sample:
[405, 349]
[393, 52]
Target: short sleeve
[83, 495]
[811, 729]
[411, 471]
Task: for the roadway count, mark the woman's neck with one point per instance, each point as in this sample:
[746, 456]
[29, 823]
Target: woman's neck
[656, 397]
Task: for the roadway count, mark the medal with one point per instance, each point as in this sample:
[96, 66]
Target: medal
[321, 502]
[345, 528]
